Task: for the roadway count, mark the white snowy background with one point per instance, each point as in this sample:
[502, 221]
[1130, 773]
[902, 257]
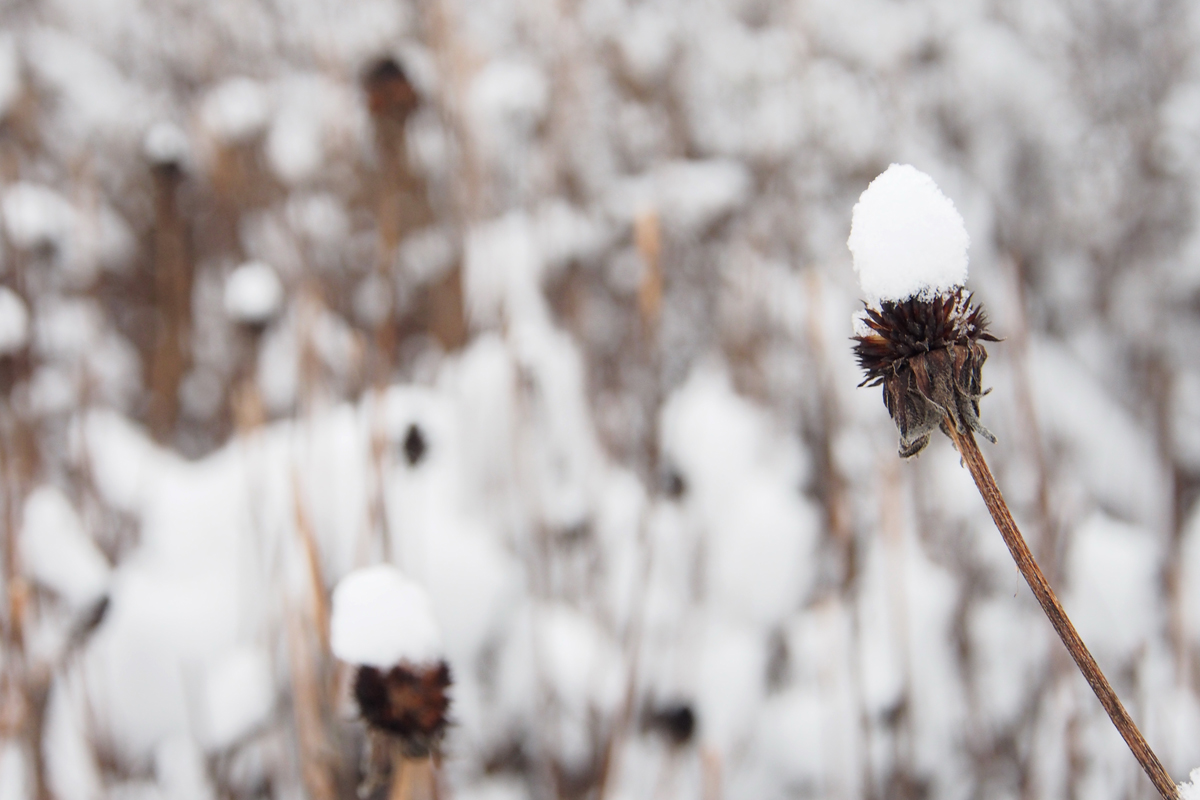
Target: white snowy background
[570, 346]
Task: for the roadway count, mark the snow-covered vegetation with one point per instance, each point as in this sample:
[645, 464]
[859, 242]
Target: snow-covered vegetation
[548, 304]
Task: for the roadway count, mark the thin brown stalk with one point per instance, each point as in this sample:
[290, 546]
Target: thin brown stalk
[412, 778]
[402, 777]
[969, 450]
[317, 771]
[316, 579]
[172, 298]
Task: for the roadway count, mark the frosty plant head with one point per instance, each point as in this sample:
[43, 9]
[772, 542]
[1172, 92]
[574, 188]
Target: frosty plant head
[920, 338]
[383, 623]
[920, 334]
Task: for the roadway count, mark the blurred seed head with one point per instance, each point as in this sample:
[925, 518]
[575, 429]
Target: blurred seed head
[409, 702]
[389, 91]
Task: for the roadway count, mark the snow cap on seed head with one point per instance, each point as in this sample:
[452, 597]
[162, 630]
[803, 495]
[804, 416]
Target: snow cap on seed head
[381, 618]
[907, 238]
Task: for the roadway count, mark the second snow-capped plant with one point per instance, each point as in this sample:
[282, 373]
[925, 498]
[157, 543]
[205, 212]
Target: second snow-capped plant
[383, 624]
[920, 338]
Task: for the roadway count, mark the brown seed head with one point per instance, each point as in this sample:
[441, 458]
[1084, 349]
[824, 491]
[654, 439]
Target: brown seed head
[389, 91]
[927, 355]
[406, 701]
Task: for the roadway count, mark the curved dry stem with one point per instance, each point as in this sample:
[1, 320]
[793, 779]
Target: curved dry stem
[965, 442]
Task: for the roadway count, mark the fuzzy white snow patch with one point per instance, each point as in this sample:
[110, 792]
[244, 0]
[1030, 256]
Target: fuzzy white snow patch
[1191, 789]
[381, 618]
[906, 237]
[36, 215]
[166, 143]
[14, 321]
[253, 293]
[236, 110]
[57, 551]
[238, 695]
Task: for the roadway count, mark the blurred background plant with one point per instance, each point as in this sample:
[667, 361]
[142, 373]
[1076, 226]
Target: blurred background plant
[549, 305]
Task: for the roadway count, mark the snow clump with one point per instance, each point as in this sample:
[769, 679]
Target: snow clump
[1191, 789]
[14, 321]
[381, 619]
[253, 293]
[236, 110]
[907, 238]
[166, 143]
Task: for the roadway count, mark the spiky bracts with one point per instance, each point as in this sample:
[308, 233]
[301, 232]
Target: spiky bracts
[406, 701]
[927, 355]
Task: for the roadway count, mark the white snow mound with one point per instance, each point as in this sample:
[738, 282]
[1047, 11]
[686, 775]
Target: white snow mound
[1191, 789]
[381, 618]
[906, 237]
[14, 321]
[253, 293]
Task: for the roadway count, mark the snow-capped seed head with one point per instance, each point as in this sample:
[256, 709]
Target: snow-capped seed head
[907, 238]
[410, 703]
[390, 93]
[253, 293]
[166, 145]
[382, 619]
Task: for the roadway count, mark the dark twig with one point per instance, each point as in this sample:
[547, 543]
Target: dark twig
[965, 442]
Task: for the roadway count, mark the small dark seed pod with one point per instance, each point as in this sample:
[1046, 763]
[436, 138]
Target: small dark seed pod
[407, 701]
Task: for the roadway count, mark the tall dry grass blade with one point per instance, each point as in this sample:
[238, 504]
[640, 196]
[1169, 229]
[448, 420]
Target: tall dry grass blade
[308, 541]
[315, 764]
[647, 236]
[969, 449]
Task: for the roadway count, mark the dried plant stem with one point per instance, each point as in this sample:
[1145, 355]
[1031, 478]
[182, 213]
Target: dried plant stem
[412, 778]
[965, 442]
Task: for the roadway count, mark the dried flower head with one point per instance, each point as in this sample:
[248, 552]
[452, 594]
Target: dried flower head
[926, 353]
[407, 701]
[390, 93]
[383, 623]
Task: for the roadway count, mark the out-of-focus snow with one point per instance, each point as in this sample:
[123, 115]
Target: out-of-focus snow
[36, 215]
[40, 219]
[253, 293]
[1109, 451]
[58, 553]
[239, 694]
[1190, 789]
[95, 98]
[236, 109]
[1112, 571]
[501, 270]
[688, 195]
[180, 770]
[427, 254]
[505, 101]
[381, 618]
[907, 237]
[14, 772]
[166, 143]
[14, 321]
[741, 478]
[72, 773]
[312, 113]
